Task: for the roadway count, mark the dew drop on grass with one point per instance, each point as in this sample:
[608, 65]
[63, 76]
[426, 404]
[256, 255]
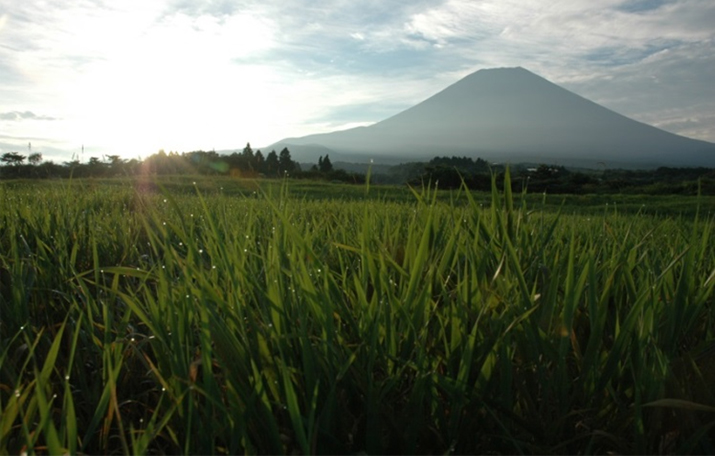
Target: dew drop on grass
[67, 377]
[17, 393]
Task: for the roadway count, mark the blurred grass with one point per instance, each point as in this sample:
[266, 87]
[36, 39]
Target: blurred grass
[593, 204]
[218, 316]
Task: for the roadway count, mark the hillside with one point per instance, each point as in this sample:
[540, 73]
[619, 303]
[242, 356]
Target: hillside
[509, 115]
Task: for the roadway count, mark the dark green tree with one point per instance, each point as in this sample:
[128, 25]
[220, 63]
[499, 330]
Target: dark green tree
[116, 164]
[272, 163]
[285, 163]
[260, 161]
[324, 164]
[35, 159]
[95, 167]
[12, 158]
[247, 151]
[249, 159]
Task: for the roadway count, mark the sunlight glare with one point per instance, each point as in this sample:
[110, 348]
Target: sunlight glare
[175, 88]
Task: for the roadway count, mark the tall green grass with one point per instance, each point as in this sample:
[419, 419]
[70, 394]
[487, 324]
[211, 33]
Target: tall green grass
[269, 322]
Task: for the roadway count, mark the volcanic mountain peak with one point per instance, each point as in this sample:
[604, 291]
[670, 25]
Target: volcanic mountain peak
[511, 114]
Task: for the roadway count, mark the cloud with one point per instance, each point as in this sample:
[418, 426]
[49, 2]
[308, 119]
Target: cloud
[639, 59]
[26, 115]
[671, 89]
[184, 74]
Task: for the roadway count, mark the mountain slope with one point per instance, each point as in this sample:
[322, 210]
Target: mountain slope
[511, 114]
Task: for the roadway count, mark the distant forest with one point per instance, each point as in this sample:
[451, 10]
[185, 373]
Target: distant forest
[245, 164]
[444, 172]
[477, 175]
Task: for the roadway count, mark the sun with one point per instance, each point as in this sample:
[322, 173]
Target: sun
[178, 87]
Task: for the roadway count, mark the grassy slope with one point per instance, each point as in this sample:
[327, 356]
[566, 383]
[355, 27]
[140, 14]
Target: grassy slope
[311, 318]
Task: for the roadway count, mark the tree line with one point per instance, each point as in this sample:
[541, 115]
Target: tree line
[245, 163]
[446, 172]
[451, 172]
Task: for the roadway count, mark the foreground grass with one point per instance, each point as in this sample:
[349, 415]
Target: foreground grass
[257, 320]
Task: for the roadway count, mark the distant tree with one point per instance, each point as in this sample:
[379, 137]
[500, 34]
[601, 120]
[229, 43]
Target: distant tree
[35, 159]
[547, 171]
[161, 163]
[51, 169]
[285, 163]
[324, 164]
[133, 166]
[95, 167]
[463, 164]
[116, 164]
[12, 158]
[260, 161]
[272, 163]
[235, 161]
[115, 160]
[248, 152]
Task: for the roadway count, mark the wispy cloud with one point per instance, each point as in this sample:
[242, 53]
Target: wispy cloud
[26, 115]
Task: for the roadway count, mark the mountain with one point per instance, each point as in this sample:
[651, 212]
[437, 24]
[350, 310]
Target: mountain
[508, 115]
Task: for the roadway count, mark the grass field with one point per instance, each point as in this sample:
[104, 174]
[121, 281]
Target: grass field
[228, 316]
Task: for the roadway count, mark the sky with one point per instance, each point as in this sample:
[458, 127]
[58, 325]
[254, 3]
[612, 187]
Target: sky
[83, 78]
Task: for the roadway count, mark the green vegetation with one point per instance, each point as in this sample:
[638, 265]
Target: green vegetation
[240, 316]
[247, 164]
[451, 172]
[448, 172]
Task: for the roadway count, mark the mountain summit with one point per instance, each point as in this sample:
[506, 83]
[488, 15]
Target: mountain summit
[511, 115]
